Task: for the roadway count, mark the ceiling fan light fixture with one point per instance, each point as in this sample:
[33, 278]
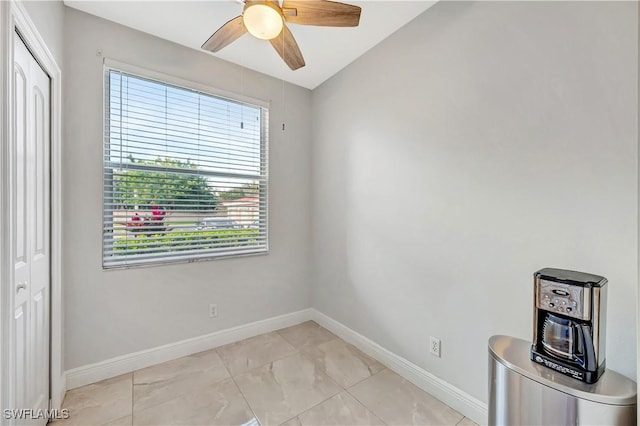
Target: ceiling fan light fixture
[263, 21]
[268, 19]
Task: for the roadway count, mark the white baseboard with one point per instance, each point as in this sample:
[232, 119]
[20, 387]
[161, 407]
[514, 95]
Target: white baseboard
[459, 400]
[131, 362]
[447, 393]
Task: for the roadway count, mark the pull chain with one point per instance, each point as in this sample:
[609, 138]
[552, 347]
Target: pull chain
[284, 105]
[242, 93]
[284, 109]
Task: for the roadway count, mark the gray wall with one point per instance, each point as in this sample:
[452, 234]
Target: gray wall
[479, 143]
[110, 313]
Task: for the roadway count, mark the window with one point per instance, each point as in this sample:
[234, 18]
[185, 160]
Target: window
[185, 174]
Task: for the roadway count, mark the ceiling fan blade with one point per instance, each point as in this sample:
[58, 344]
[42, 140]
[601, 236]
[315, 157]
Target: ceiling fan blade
[286, 46]
[321, 13]
[225, 35]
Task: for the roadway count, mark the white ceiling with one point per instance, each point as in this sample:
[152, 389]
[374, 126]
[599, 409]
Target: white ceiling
[326, 50]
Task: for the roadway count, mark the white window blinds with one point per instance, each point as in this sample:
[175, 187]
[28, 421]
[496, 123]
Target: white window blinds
[185, 174]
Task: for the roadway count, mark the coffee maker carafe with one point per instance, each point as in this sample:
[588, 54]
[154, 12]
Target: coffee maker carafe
[569, 323]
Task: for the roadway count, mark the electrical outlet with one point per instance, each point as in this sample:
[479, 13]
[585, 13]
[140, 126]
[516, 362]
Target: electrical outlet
[434, 346]
[213, 310]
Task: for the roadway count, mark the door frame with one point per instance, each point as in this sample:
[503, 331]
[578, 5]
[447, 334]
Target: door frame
[13, 16]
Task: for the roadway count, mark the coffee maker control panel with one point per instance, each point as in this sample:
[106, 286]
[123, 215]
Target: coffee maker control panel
[564, 299]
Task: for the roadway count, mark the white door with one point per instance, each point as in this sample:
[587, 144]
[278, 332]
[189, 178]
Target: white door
[30, 231]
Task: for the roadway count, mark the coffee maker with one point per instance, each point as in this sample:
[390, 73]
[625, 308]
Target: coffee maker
[569, 323]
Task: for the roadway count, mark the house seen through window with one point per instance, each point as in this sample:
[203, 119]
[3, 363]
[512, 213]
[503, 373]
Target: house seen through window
[185, 174]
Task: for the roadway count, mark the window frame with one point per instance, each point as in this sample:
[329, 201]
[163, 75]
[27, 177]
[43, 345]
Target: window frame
[107, 172]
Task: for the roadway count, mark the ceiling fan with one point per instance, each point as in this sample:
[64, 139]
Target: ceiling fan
[266, 20]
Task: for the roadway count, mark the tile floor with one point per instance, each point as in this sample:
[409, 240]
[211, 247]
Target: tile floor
[301, 375]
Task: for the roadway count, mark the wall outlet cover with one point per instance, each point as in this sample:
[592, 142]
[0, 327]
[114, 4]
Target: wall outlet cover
[434, 346]
[213, 310]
